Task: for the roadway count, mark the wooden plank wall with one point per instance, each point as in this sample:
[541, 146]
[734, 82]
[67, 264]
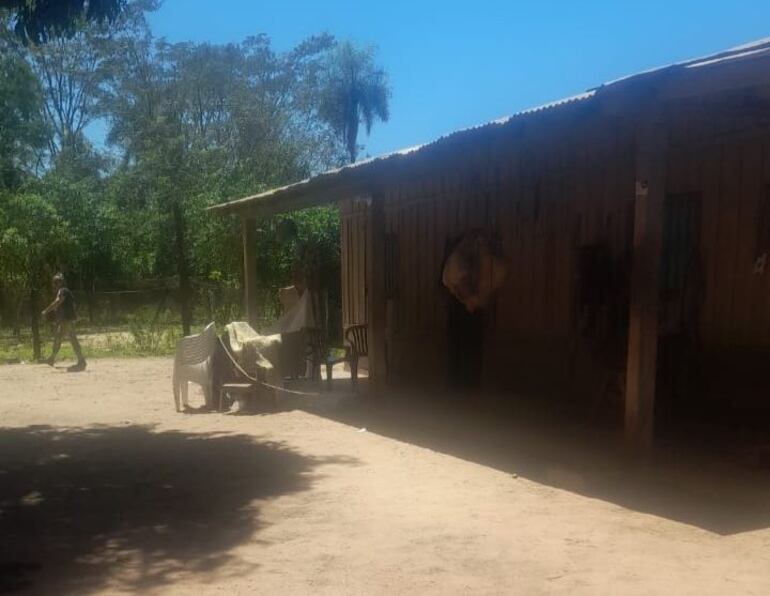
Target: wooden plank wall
[721, 148]
[546, 188]
[353, 261]
[542, 193]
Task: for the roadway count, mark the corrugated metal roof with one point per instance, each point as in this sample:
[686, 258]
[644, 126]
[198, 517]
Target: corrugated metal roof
[269, 197]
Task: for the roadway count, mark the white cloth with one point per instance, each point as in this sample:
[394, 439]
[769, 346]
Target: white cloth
[294, 342]
[253, 350]
[297, 318]
[288, 298]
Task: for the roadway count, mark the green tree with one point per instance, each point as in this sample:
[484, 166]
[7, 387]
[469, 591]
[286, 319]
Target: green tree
[73, 71]
[40, 20]
[78, 191]
[21, 124]
[34, 242]
[189, 125]
[354, 91]
[198, 123]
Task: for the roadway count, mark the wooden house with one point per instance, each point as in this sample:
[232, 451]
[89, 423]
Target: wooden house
[623, 211]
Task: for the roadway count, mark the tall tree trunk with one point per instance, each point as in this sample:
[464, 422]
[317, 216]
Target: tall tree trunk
[352, 140]
[34, 308]
[181, 263]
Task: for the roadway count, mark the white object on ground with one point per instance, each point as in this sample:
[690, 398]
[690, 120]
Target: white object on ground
[192, 363]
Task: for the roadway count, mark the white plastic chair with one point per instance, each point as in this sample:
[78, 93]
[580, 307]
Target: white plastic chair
[193, 363]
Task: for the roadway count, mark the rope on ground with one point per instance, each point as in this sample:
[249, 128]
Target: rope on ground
[256, 381]
[290, 391]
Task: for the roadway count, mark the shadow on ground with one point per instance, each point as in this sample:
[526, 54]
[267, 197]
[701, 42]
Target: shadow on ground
[687, 481]
[78, 506]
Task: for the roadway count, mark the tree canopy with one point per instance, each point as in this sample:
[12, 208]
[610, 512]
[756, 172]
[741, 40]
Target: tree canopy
[179, 127]
[22, 128]
[40, 20]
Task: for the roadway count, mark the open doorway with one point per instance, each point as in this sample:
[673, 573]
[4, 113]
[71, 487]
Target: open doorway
[681, 293]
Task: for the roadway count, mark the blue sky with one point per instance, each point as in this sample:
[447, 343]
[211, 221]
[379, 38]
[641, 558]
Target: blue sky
[455, 64]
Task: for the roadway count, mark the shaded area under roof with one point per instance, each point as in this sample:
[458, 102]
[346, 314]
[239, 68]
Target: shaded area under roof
[325, 187]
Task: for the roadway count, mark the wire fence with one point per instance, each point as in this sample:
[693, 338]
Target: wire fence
[136, 317]
[150, 303]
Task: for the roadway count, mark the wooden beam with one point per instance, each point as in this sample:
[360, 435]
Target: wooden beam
[641, 368]
[375, 294]
[286, 201]
[248, 234]
[324, 189]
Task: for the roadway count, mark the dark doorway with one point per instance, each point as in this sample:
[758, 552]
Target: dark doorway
[681, 296]
[465, 332]
[465, 336]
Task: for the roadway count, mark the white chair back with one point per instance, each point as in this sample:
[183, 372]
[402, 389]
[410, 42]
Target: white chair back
[193, 363]
[195, 349]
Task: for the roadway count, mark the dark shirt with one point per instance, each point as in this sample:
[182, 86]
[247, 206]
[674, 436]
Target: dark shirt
[66, 309]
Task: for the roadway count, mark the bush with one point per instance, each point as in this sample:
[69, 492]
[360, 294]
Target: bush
[152, 338]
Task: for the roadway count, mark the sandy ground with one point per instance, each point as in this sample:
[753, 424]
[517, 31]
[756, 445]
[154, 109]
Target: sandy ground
[104, 488]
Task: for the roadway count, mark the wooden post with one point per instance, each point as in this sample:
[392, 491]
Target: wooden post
[641, 368]
[375, 294]
[248, 231]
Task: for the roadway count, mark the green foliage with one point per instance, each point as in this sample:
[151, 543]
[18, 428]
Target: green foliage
[41, 20]
[21, 123]
[188, 126]
[144, 338]
[199, 123]
[80, 200]
[34, 240]
[151, 338]
[74, 71]
[318, 244]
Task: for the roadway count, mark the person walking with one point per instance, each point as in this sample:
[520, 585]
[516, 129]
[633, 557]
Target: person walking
[64, 308]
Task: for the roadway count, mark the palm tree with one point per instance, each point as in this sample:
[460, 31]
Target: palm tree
[355, 90]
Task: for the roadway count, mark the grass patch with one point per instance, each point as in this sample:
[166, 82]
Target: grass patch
[139, 339]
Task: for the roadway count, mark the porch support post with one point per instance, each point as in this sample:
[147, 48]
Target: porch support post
[641, 368]
[375, 294]
[248, 232]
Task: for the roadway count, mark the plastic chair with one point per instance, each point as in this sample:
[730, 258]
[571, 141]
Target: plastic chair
[357, 346]
[318, 353]
[193, 363]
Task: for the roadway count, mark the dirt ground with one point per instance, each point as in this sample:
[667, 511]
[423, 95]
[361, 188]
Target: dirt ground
[104, 488]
